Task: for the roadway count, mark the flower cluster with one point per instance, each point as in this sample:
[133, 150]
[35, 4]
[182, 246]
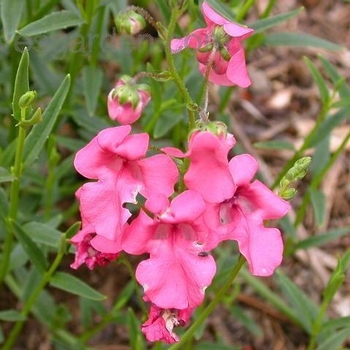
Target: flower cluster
[219, 199]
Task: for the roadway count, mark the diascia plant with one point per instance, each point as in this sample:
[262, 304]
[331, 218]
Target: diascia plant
[192, 200]
[161, 186]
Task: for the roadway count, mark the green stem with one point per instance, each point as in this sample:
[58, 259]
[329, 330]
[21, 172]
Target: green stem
[10, 341]
[14, 198]
[317, 180]
[268, 9]
[243, 10]
[206, 312]
[176, 77]
[298, 154]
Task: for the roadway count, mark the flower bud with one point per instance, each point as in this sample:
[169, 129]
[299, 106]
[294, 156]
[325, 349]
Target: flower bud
[127, 100]
[129, 22]
[27, 99]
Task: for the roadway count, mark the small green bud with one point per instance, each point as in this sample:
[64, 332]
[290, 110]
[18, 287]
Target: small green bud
[288, 193]
[207, 48]
[163, 76]
[129, 22]
[216, 128]
[225, 54]
[27, 99]
[35, 119]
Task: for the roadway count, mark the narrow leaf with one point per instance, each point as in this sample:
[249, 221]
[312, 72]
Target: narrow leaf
[42, 233]
[40, 132]
[301, 304]
[321, 83]
[21, 83]
[92, 81]
[318, 201]
[323, 238]
[11, 12]
[275, 144]
[33, 251]
[11, 316]
[266, 23]
[71, 284]
[5, 175]
[300, 39]
[335, 340]
[53, 21]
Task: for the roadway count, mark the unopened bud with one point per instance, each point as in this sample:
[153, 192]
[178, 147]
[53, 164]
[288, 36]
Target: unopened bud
[27, 99]
[129, 22]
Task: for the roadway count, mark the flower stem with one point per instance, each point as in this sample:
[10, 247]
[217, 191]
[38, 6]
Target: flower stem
[177, 79]
[206, 312]
[30, 302]
[14, 198]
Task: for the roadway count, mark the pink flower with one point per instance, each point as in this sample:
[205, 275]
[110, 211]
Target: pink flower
[178, 270]
[160, 324]
[241, 217]
[87, 249]
[219, 42]
[127, 100]
[116, 159]
[208, 172]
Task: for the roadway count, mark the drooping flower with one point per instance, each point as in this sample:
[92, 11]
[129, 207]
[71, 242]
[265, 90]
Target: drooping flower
[115, 158]
[241, 217]
[127, 100]
[161, 322]
[87, 249]
[177, 272]
[219, 44]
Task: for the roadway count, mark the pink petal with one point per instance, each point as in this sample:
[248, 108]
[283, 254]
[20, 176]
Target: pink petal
[218, 79]
[101, 204]
[159, 175]
[208, 172]
[237, 70]
[137, 238]
[210, 16]
[237, 31]
[195, 40]
[92, 161]
[263, 249]
[105, 245]
[186, 207]
[175, 276]
[243, 168]
[132, 146]
[267, 203]
[173, 152]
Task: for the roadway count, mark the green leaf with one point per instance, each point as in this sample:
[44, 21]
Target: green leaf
[321, 83]
[318, 200]
[344, 89]
[34, 253]
[43, 234]
[135, 336]
[92, 81]
[11, 316]
[320, 239]
[302, 305]
[300, 39]
[266, 23]
[21, 83]
[40, 132]
[335, 340]
[332, 325]
[222, 9]
[275, 144]
[11, 12]
[5, 175]
[53, 21]
[71, 284]
[328, 125]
